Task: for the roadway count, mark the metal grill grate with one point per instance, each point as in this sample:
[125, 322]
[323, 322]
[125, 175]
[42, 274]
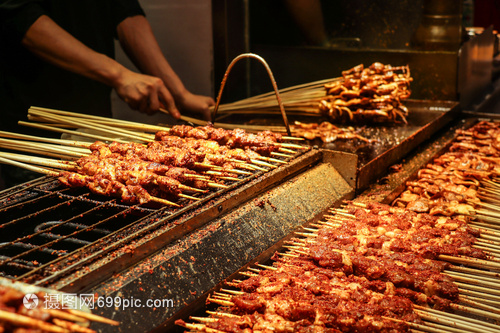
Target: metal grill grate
[45, 223]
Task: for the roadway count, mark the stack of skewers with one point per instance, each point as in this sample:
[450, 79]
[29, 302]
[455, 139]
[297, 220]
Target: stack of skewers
[170, 166]
[367, 268]
[463, 181]
[17, 316]
[373, 94]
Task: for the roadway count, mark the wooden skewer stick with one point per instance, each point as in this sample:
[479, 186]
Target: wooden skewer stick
[472, 327]
[222, 296]
[105, 120]
[484, 290]
[255, 161]
[489, 213]
[29, 167]
[185, 196]
[489, 236]
[282, 155]
[40, 148]
[474, 271]
[427, 327]
[220, 302]
[270, 159]
[56, 164]
[494, 244]
[223, 314]
[25, 321]
[64, 315]
[102, 128]
[438, 313]
[286, 150]
[200, 328]
[72, 132]
[487, 205]
[466, 299]
[234, 292]
[72, 327]
[477, 312]
[94, 317]
[42, 139]
[487, 249]
[473, 279]
[204, 319]
[471, 261]
[483, 225]
[479, 294]
[292, 138]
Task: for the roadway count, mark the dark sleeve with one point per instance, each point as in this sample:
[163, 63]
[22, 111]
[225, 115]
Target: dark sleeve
[17, 16]
[126, 8]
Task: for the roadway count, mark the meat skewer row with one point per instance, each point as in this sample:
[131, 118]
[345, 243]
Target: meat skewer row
[169, 185]
[213, 147]
[457, 182]
[417, 281]
[265, 142]
[133, 171]
[128, 193]
[310, 296]
[129, 173]
[400, 230]
[158, 153]
[284, 294]
[212, 156]
[326, 131]
[131, 194]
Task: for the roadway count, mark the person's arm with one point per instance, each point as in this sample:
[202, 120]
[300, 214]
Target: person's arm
[49, 41]
[138, 41]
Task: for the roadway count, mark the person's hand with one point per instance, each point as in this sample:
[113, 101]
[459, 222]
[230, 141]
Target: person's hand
[196, 103]
[145, 93]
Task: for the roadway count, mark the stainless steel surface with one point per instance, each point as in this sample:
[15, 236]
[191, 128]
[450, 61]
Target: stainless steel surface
[476, 68]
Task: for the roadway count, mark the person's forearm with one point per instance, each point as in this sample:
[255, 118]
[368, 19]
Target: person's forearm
[137, 39]
[50, 42]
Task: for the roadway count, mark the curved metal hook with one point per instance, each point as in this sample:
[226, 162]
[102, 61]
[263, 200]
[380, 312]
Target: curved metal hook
[271, 77]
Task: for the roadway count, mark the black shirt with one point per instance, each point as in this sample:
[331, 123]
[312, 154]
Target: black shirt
[26, 80]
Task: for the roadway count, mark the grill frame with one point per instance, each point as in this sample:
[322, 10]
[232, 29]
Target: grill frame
[156, 227]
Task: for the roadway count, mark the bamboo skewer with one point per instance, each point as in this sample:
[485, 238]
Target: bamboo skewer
[103, 128]
[454, 323]
[55, 164]
[432, 328]
[72, 327]
[26, 321]
[93, 317]
[104, 120]
[463, 319]
[76, 133]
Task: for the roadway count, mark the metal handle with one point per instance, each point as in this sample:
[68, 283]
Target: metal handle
[271, 77]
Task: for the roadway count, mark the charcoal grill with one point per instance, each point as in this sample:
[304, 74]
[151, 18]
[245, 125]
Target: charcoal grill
[78, 242]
